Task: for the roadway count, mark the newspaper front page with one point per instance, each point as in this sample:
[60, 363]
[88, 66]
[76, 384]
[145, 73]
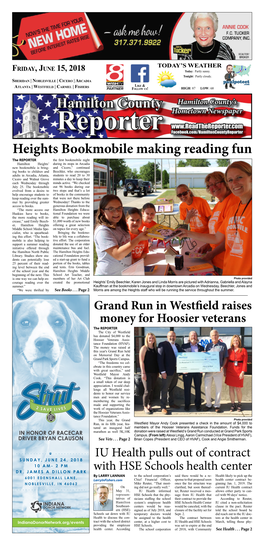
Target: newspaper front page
[132, 310]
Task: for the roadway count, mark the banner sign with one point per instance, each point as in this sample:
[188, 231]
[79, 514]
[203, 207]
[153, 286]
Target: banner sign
[132, 116]
[131, 35]
[198, 362]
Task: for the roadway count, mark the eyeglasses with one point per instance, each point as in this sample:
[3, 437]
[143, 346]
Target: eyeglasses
[183, 194]
[112, 209]
[217, 184]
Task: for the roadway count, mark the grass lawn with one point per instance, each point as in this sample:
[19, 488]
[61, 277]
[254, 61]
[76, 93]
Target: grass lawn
[171, 194]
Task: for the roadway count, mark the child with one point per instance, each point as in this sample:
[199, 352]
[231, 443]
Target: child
[134, 223]
[148, 215]
[112, 240]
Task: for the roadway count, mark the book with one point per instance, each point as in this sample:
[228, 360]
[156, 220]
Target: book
[158, 270]
[162, 232]
[150, 269]
[206, 273]
[170, 254]
[202, 267]
[136, 269]
[195, 255]
[164, 205]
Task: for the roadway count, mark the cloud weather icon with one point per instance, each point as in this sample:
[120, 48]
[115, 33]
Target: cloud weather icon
[166, 79]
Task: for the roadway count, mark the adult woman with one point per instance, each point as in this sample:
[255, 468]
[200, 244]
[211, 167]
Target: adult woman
[236, 229]
[217, 187]
[149, 369]
[192, 346]
[206, 47]
[193, 210]
[111, 237]
[236, 367]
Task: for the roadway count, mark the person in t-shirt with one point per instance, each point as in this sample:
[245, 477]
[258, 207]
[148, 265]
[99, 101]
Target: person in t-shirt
[217, 187]
[193, 210]
[236, 229]
[134, 223]
[148, 215]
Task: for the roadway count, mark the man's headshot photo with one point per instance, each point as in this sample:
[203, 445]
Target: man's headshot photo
[103, 497]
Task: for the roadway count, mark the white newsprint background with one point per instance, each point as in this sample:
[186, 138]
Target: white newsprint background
[254, 296]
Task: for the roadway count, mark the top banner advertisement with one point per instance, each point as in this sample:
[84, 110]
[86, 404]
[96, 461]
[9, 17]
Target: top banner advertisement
[150, 36]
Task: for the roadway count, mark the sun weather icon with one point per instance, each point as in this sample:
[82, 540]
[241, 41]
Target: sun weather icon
[166, 79]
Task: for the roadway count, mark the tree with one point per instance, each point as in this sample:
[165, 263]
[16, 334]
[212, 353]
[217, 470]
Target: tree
[223, 162]
[194, 163]
[147, 172]
[165, 179]
[118, 165]
[181, 163]
[131, 173]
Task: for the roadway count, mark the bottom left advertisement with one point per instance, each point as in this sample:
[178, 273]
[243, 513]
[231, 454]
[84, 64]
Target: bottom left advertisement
[51, 414]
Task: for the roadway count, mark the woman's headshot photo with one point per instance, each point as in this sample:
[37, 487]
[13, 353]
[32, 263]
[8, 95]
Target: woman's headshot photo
[209, 37]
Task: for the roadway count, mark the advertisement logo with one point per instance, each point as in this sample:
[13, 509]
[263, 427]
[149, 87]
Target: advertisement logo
[234, 71]
[114, 76]
[50, 402]
[140, 73]
[36, 506]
